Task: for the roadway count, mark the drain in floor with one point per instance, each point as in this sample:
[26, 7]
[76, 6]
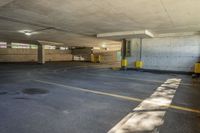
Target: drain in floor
[3, 93]
[34, 91]
[22, 98]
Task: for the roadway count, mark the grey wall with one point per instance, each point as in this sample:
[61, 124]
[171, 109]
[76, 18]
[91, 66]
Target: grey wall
[169, 53]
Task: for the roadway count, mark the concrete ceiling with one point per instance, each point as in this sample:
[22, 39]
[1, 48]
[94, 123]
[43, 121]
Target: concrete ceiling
[126, 35]
[76, 22]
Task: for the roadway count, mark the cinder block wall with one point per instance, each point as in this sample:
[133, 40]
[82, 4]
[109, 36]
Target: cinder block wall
[18, 55]
[84, 53]
[58, 55]
[30, 55]
[107, 56]
[169, 53]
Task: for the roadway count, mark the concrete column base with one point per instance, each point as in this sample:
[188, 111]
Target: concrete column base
[9, 44]
[41, 54]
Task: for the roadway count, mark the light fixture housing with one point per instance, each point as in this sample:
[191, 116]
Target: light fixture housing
[103, 45]
[28, 33]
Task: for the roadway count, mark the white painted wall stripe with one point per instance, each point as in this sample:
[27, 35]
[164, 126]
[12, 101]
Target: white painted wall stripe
[148, 116]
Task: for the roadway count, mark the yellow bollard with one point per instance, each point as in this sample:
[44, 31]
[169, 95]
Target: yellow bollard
[99, 59]
[124, 63]
[92, 58]
[139, 64]
[197, 68]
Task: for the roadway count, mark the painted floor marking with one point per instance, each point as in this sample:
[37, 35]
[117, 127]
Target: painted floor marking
[118, 96]
[109, 76]
[148, 117]
[92, 91]
[117, 77]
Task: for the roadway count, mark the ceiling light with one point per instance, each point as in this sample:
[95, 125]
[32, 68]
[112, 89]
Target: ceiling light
[103, 45]
[96, 48]
[28, 33]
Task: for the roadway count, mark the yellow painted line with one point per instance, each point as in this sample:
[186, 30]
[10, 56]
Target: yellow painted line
[117, 77]
[118, 96]
[159, 100]
[184, 109]
[92, 91]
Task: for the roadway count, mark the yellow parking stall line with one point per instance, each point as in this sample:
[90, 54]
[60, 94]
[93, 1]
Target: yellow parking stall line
[117, 96]
[184, 109]
[93, 91]
[117, 77]
[138, 79]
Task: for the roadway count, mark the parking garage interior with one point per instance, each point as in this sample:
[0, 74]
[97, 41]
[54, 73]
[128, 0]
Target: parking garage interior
[111, 66]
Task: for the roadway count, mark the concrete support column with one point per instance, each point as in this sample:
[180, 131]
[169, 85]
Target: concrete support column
[124, 62]
[57, 47]
[41, 54]
[124, 49]
[139, 63]
[140, 49]
[9, 44]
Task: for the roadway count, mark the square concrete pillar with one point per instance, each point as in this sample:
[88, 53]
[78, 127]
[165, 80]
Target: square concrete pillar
[9, 44]
[41, 54]
[57, 47]
[124, 61]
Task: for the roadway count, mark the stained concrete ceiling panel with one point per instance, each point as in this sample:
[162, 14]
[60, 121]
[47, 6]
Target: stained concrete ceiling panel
[9, 26]
[183, 12]
[90, 17]
[5, 2]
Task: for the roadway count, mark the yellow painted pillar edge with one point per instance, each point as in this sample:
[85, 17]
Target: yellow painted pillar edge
[139, 64]
[197, 68]
[124, 62]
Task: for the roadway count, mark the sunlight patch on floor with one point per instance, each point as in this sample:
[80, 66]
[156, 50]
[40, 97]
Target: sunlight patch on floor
[148, 116]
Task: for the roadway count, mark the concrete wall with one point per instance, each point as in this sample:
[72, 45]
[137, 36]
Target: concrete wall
[58, 55]
[82, 54]
[30, 55]
[107, 56]
[169, 53]
[18, 55]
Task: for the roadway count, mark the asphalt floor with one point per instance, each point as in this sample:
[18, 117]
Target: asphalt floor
[75, 97]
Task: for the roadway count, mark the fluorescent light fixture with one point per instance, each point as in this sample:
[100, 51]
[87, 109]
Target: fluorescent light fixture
[127, 34]
[24, 31]
[28, 33]
[96, 48]
[103, 45]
